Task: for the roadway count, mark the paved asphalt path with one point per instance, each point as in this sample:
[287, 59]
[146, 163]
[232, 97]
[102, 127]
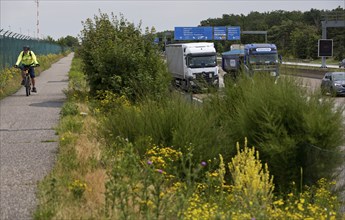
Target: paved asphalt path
[28, 143]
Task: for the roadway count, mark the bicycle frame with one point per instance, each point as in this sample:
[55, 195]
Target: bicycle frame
[27, 81]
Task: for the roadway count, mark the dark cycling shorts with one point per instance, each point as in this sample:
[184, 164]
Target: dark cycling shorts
[31, 70]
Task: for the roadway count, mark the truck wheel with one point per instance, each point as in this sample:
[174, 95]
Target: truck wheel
[186, 85]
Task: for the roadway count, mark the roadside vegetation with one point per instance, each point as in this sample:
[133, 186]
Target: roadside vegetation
[10, 78]
[256, 150]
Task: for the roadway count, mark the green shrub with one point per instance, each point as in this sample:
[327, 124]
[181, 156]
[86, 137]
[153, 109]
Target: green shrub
[291, 128]
[170, 122]
[69, 108]
[119, 58]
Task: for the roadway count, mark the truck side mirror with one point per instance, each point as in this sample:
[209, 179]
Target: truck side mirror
[280, 58]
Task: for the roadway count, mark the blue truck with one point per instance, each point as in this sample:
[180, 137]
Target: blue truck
[261, 58]
[251, 59]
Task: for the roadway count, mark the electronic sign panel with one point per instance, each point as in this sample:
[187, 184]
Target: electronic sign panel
[325, 48]
[193, 33]
[219, 33]
[234, 33]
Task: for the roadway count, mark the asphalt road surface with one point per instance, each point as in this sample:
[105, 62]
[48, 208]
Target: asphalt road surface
[28, 143]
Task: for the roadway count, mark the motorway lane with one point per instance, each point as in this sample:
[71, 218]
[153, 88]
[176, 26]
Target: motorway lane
[314, 85]
[28, 143]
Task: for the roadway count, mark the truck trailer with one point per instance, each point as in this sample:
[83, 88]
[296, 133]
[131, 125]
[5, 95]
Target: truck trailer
[193, 65]
[231, 62]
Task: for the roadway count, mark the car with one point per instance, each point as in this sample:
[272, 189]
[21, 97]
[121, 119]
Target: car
[333, 83]
[342, 63]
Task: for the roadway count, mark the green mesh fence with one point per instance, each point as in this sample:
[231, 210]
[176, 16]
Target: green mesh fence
[10, 48]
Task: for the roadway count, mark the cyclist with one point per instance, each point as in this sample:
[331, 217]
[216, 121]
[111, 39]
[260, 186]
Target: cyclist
[27, 58]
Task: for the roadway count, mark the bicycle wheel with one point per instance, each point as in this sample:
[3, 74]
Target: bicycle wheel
[27, 86]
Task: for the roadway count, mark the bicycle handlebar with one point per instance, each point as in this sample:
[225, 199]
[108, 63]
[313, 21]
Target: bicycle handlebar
[27, 66]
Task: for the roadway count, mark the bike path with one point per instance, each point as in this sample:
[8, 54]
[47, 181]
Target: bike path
[28, 143]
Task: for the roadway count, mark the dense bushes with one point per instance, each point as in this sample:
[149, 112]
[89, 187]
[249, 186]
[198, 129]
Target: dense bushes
[171, 122]
[297, 134]
[173, 160]
[119, 58]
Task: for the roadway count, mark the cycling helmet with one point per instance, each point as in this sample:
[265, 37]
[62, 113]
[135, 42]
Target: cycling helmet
[26, 47]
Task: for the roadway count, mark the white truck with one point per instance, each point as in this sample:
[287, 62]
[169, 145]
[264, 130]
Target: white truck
[193, 65]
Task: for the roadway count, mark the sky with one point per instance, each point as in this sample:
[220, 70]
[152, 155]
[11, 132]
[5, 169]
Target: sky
[64, 17]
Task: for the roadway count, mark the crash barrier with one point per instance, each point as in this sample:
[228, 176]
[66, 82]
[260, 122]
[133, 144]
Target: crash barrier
[11, 44]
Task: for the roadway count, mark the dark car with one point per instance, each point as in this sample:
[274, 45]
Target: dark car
[333, 83]
[342, 63]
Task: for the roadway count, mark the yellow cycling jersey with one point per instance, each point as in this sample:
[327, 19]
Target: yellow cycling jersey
[27, 59]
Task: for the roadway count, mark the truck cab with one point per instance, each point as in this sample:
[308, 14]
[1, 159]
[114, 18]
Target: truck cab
[193, 65]
[261, 58]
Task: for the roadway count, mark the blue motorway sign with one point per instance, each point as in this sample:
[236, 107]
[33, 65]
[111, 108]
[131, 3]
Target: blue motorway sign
[234, 33]
[193, 33]
[219, 33]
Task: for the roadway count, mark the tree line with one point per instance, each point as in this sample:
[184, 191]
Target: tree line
[295, 33]
[68, 41]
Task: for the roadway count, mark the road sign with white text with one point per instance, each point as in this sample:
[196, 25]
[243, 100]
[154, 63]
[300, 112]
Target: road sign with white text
[234, 33]
[193, 33]
[219, 33]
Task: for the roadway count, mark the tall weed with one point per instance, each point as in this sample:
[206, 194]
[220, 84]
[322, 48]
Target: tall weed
[170, 122]
[291, 128]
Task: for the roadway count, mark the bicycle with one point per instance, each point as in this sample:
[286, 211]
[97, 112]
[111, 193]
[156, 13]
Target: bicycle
[27, 79]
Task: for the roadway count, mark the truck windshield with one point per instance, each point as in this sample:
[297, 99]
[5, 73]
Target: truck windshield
[263, 59]
[201, 61]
